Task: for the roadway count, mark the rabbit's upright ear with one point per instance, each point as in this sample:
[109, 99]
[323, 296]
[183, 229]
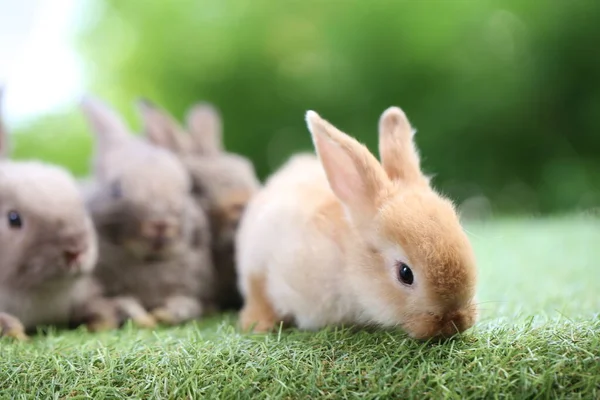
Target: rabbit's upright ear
[354, 174]
[399, 155]
[161, 129]
[4, 144]
[108, 128]
[205, 125]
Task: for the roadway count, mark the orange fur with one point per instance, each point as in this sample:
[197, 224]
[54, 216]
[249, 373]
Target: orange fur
[399, 156]
[328, 238]
[257, 314]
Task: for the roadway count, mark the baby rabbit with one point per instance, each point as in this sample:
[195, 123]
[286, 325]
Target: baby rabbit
[222, 182]
[344, 239]
[48, 250]
[154, 241]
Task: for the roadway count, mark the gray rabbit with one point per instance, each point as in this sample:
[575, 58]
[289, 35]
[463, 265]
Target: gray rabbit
[48, 250]
[223, 182]
[155, 256]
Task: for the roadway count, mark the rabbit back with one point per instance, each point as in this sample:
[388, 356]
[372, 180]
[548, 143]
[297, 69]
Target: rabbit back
[287, 240]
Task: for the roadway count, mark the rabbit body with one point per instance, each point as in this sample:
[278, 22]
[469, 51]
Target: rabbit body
[53, 303]
[49, 251]
[292, 211]
[222, 183]
[222, 186]
[343, 239]
[154, 240]
[184, 273]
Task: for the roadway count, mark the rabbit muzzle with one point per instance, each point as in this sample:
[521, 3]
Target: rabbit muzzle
[448, 324]
[159, 235]
[74, 259]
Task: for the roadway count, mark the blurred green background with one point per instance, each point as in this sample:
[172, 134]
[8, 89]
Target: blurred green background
[505, 95]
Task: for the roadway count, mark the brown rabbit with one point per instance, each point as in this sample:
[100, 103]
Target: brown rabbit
[48, 250]
[222, 182]
[154, 241]
[344, 239]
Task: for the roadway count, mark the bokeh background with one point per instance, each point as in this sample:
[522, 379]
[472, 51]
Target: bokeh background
[505, 95]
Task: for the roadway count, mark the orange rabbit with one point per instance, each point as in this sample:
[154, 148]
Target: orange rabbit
[343, 238]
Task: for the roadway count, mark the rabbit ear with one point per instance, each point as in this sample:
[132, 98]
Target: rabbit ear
[354, 175]
[399, 155]
[205, 126]
[108, 126]
[161, 129]
[4, 145]
[110, 131]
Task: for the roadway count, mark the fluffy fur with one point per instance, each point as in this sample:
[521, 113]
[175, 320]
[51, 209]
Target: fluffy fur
[154, 241]
[323, 242]
[222, 182]
[48, 251]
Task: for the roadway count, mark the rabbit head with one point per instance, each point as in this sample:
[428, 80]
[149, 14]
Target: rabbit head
[141, 193]
[46, 233]
[222, 182]
[415, 265]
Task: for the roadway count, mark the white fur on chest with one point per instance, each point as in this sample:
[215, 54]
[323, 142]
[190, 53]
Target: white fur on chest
[51, 305]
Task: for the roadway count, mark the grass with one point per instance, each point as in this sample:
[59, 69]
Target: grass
[539, 337]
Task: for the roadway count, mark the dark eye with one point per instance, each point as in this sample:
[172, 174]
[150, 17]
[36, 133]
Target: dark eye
[115, 190]
[14, 219]
[405, 274]
[197, 189]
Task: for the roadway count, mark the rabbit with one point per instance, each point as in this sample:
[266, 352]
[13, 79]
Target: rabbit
[340, 238]
[222, 182]
[155, 259]
[48, 249]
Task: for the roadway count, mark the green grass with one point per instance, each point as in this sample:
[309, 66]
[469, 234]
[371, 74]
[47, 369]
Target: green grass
[538, 338]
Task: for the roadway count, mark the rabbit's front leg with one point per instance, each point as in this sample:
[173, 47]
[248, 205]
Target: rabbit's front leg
[178, 309]
[132, 309]
[97, 313]
[10, 326]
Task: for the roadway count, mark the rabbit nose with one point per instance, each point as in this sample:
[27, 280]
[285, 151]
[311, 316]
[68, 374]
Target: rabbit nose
[453, 322]
[160, 227]
[71, 256]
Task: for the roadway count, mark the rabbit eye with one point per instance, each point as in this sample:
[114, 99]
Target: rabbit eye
[116, 191]
[14, 219]
[405, 274]
[197, 189]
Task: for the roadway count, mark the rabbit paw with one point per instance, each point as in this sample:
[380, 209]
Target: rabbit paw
[250, 320]
[257, 314]
[130, 309]
[100, 315]
[12, 327]
[146, 321]
[164, 316]
[103, 324]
